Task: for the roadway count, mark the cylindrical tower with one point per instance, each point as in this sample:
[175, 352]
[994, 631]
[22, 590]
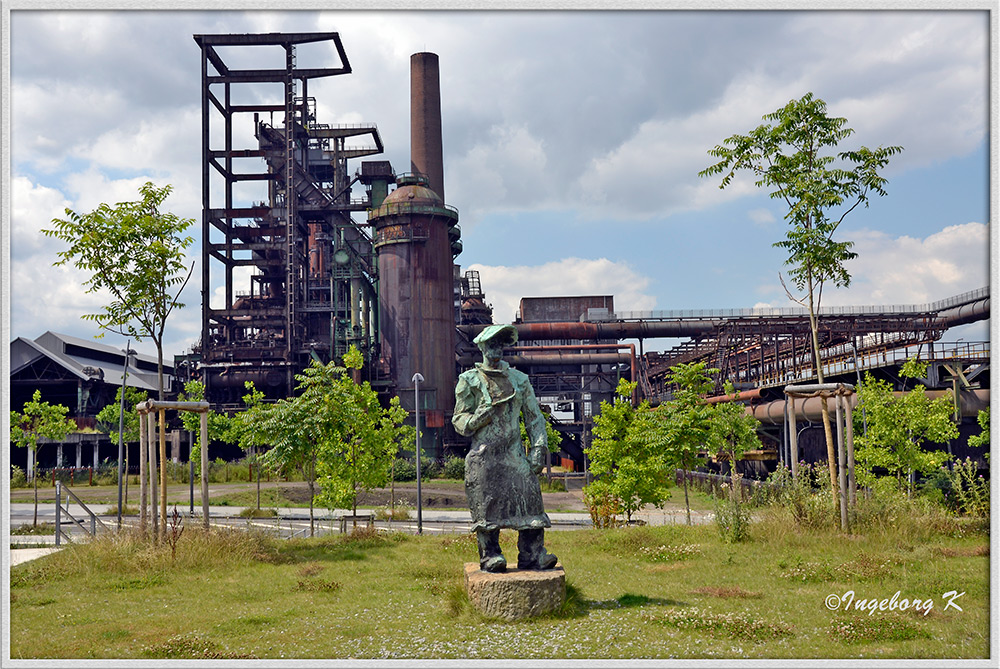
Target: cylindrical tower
[416, 293]
[425, 120]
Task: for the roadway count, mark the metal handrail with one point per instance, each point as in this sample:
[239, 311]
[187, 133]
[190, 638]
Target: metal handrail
[679, 314]
[94, 520]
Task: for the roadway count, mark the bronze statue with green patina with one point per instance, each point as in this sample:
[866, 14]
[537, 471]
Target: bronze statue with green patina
[501, 475]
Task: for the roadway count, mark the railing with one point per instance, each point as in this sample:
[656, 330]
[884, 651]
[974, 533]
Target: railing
[845, 362]
[94, 520]
[711, 314]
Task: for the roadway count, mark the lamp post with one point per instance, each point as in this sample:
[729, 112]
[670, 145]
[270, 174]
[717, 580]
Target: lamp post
[121, 429]
[417, 380]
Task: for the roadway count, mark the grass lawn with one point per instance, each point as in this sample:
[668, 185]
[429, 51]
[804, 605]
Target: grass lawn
[637, 592]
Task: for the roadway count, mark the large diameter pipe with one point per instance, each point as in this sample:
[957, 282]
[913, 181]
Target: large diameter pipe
[772, 413]
[966, 313]
[555, 358]
[425, 120]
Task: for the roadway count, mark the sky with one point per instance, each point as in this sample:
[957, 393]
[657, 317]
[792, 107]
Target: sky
[572, 144]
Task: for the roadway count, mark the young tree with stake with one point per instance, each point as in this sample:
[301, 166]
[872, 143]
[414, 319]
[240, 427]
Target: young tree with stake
[135, 252]
[38, 420]
[794, 155]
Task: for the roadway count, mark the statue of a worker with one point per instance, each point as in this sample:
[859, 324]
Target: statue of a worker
[501, 479]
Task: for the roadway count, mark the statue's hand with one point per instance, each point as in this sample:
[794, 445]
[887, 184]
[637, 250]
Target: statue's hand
[536, 458]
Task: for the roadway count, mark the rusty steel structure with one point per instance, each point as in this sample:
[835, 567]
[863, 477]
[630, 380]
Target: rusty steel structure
[414, 234]
[312, 276]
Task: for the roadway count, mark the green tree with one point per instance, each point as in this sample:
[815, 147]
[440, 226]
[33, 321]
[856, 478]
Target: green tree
[794, 155]
[683, 427]
[734, 432]
[898, 426]
[108, 422]
[135, 252]
[38, 420]
[218, 423]
[241, 430]
[629, 466]
[335, 432]
[108, 418]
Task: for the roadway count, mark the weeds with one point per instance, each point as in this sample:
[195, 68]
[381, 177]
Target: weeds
[726, 592]
[733, 625]
[875, 628]
[193, 647]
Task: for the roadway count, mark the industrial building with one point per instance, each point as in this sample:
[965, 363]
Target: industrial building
[309, 268]
[83, 376]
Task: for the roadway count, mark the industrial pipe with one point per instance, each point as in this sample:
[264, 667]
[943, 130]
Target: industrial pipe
[966, 313]
[605, 330]
[555, 358]
[772, 413]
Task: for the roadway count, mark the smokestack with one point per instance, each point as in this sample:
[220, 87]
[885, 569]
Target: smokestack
[425, 120]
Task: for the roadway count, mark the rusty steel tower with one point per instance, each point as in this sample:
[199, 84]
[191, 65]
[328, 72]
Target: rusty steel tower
[287, 274]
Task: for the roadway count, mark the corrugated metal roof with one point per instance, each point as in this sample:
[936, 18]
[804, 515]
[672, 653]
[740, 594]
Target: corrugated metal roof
[107, 359]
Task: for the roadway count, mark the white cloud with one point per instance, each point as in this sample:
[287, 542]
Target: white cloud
[906, 270]
[761, 217]
[506, 285]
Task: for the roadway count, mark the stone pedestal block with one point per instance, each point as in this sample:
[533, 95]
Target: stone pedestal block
[517, 593]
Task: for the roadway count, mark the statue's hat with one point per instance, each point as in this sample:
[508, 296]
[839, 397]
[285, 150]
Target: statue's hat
[507, 334]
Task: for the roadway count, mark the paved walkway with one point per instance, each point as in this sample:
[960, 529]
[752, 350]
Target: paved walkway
[457, 518]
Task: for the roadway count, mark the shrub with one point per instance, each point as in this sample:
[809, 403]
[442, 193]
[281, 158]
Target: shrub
[454, 468]
[970, 491]
[404, 470]
[732, 516]
[602, 504]
[18, 479]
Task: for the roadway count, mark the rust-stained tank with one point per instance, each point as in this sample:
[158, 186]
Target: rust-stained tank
[416, 291]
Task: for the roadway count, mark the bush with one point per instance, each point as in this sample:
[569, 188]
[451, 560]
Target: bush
[18, 479]
[732, 516]
[602, 504]
[454, 468]
[404, 470]
[970, 491]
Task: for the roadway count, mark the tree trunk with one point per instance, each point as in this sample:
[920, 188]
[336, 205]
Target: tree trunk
[687, 503]
[312, 522]
[831, 455]
[34, 522]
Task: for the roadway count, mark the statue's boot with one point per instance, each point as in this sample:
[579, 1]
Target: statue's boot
[491, 559]
[531, 553]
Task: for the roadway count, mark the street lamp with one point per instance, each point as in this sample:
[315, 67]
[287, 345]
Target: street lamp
[417, 380]
[121, 428]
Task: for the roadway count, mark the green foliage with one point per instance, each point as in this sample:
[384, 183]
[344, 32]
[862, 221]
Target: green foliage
[793, 155]
[39, 420]
[897, 428]
[734, 432]
[983, 438]
[135, 252]
[969, 490]
[334, 431]
[629, 463]
[553, 438]
[18, 479]
[454, 468]
[108, 418]
[219, 425]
